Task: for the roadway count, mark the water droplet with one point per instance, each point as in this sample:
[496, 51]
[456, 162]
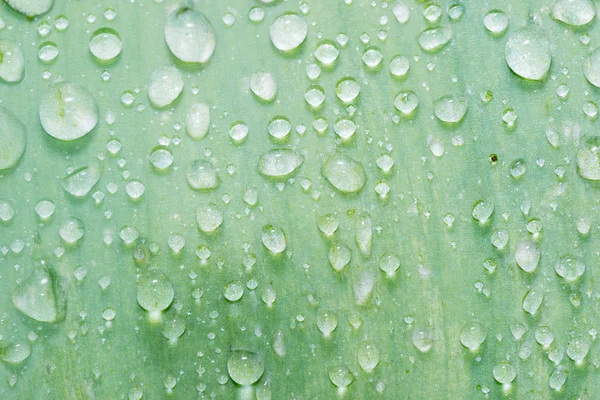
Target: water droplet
[518, 168]
[339, 256]
[245, 367]
[422, 339]
[544, 336]
[364, 234]
[48, 52]
[7, 211]
[533, 301]
[189, 35]
[363, 286]
[527, 255]
[368, 356]
[166, 84]
[591, 68]
[472, 335]
[340, 376]
[326, 52]
[504, 373]
[344, 128]
[197, 120]
[389, 263]
[527, 53]
[238, 131]
[434, 39]
[161, 157]
[344, 173]
[264, 86]
[105, 44]
[406, 102]
[45, 209]
[71, 230]
[273, 239]
[174, 327]
[578, 349]
[399, 66]
[496, 21]
[569, 268]
[347, 89]
[12, 139]
[558, 378]
[314, 96]
[68, 111]
[135, 189]
[288, 31]
[483, 210]
[40, 296]
[451, 109]
[588, 158]
[279, 128]
[372, 57]
[574, 12]
[279, 163]
[154, 291]
[209, 217]
[15, 353]
[79, 182]
[31, 8]
[328, 224]
[326, 322]
[202, 175]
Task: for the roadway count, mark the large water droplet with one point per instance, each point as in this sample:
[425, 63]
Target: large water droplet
[12, 139]
[472, 335]
[363, 287]
[279, 163]
[504, 373]
[496, 21]
[154, 291]
[12, 63]
[389, 263]
[31, 8]
[574, 12]
[344, 173]
[451, 109]
[434, 39]
[190, 36]
[209, 217]
[40, 296]
[71, 230]
[339, 256]
[15, 353]
[588, 158]
[288, 31]
[578, 349]
[68, 111]
[273, 239]
[569, 268]
[105, 44]
[368, 356]
[79, 182]
[245, 367]
[422, 339]
[264, 86]
[326, 322]
[166, 84]
[340, 376]
[202, 175]
[527, 53]
[527, 255]
[533, 301]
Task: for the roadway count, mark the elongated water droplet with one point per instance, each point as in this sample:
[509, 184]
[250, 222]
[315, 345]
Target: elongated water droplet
[578, 349]
[7, 211]
[166, 84]
[245, 367]
[591, 68]
[363, 286]
[288, 31]
[31, 8]
[483, 210]
[40, 296]
[68, 111]
[339, 256]
[434, 39]
[12, 139]
[273, 239]
[368, 356]
[344, 173]
[190, 36]
[558, 378]
[12, 63]
[197, 120]
[527, 53]
[364, 234]
[533, 301]
[574, 12]
[279, 163]
[81, 181]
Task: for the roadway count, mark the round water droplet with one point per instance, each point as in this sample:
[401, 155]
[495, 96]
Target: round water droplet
[279, 128]
[68, 111]
[71, 230]
[190, 36]
[558, 378]
[245, 367]
[574, 12]
[496, 21]
[588, 158]
[264, 86]
[527, 255]
[504, 373]
[368, 356]
[344, 173]
[472, 335]
[40, 296]
[15, 353]
[31, 8]
[279, 163]
[326, 322]
[451, 109]
[105, 44]
[161, 157]
[544, 336]
[328, 224]
[434, 39]
[45, 209]
[339, 256]
[273, 239]
[202, 175]
[288, 31]
[344, 128]
[578, 349]
[527, 53]
[389, 263]
[12, 139]
[399, 66]
[154, 291]
[347, 89]
[314, 96]
[48, 52]
[233, 291]
[372, 57]
[166, 84]
[340, 376]
[209, 217]
[135, 189]
[518, 168]
[422, 339]
[174, 327]
[406, 102]
[326, 52]
[569, 268]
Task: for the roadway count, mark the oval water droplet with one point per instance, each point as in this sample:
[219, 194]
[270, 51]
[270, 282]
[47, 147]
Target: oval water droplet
[533, 301]
[406, 102]
[472, 335]
[105, 44]
[189, 35]
[340, 376]
[209, 217]
[504, 373]
[197, 120]
[347, 89]
[288, 31]
[12, 63]
[527, 255]
[166, 84]
[40, 296]
[389, 263]
[279, 163]
[245, 367]
[71, 230]
[273, 239]
[326, 322]
[569, 268]
[81, 181]
[588, 158]
[68, 111]
[368, 356]
[202, 175]
[264, 86]
[344, 173]
[451, 109]
[574, 12]
[12, 139]
[496, 22]
[15, 353]
[31, 8]
[339, 256]
[527, 53]
[434, 39]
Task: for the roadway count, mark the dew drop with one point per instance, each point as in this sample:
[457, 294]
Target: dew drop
[197, 120]
[40, 296]
[154, 291]
[368, 356]
[245, 367]
[344, 173]
[496, 22]
[450, 109]
[527, 255]
[472, 335]
[12, 139]
[202, 175]
[166, 84]
[279, 163]
[569, 268]
[264, 86]
[209, 217]
[434, 39]
[288, 31]
[189, 35]
[527, 53]
[105, 44]
[273, 239]
[574, 12]
[71, 230]
[79, 182]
